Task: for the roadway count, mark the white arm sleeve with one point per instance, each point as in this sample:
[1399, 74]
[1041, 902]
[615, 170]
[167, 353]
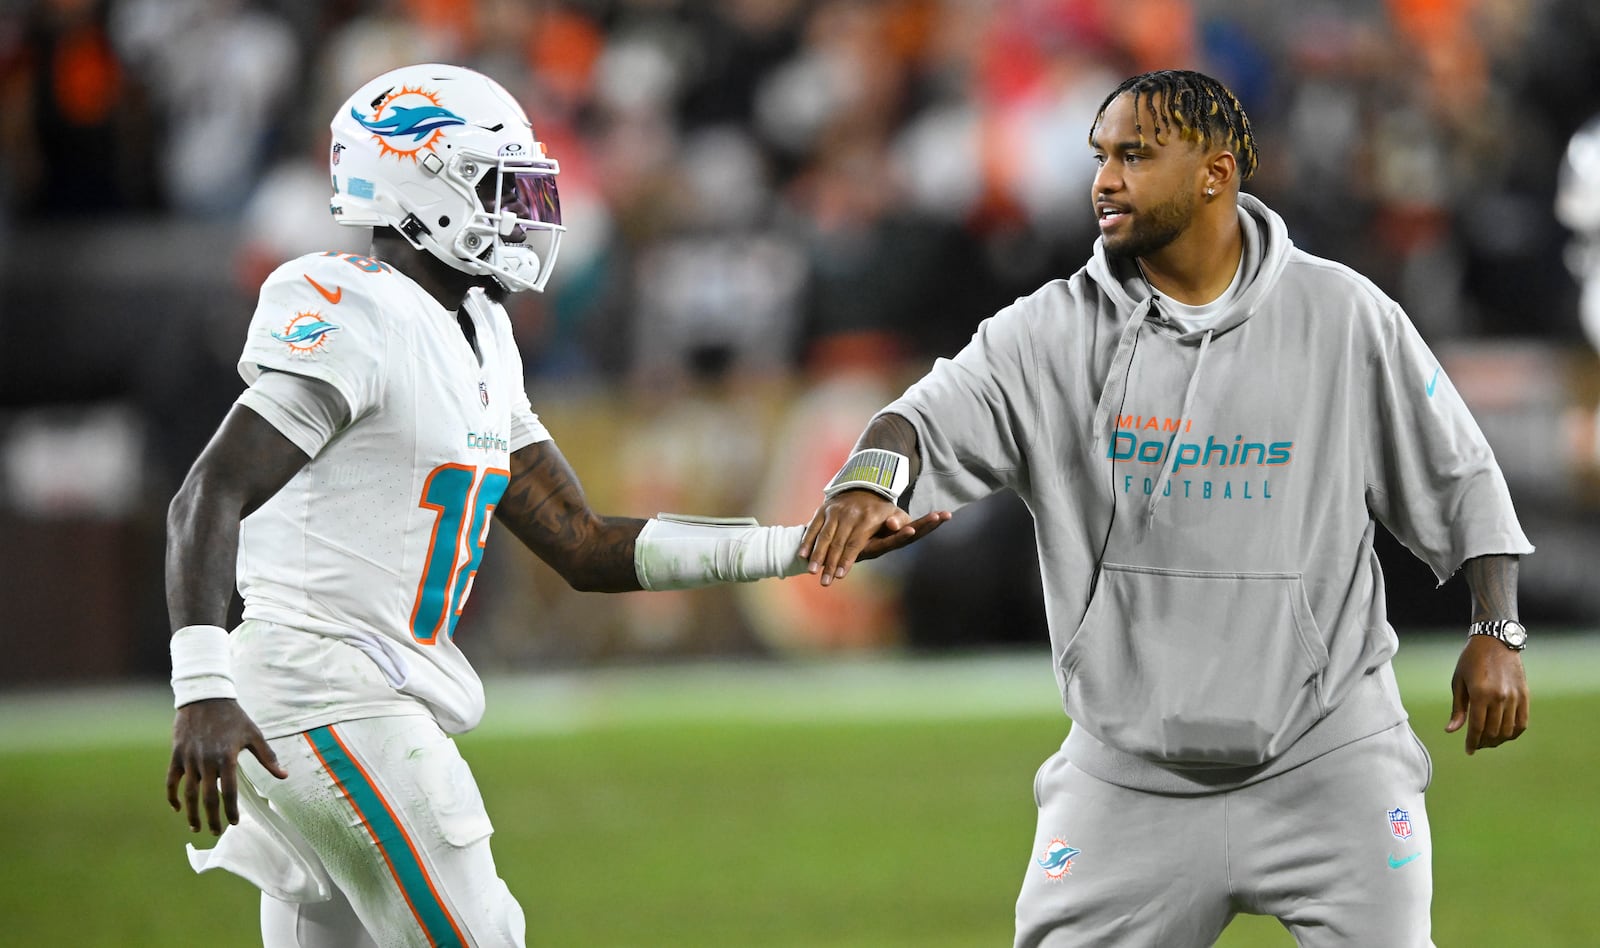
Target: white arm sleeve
[304, 410]
[676, 552]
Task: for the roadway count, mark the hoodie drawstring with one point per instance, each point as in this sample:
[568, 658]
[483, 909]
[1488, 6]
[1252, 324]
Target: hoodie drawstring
[1183, 421]
[1117, 376]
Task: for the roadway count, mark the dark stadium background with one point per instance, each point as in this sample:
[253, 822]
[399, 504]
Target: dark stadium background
[782, 211]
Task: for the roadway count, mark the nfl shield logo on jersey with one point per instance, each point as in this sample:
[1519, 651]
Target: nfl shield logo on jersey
[483, 393]
[1400, 823]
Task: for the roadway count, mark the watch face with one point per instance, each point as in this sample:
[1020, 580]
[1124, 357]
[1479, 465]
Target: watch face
[1515, 634]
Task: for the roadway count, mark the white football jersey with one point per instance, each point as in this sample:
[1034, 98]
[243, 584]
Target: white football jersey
[375, 543]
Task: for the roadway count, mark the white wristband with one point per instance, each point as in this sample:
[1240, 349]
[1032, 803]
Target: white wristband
[678, 552]
[201, 667]
[885, 473]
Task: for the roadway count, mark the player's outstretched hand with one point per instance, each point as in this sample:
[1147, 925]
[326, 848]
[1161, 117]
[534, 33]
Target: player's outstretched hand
[860, 525]
[1490, 694]
[207, 737]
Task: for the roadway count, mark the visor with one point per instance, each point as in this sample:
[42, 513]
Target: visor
[531, 196]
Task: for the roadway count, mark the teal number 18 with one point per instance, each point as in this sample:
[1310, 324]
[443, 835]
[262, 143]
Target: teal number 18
[463, 501]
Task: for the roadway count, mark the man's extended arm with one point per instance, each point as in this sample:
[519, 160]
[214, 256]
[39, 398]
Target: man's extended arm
[544, 506]
[247, 462]
[849, 525]
[1489, 690]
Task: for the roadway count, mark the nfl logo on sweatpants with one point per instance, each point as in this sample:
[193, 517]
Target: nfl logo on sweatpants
[1400, 823]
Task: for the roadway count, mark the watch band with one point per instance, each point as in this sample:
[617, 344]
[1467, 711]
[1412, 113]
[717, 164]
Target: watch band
[1496, 628]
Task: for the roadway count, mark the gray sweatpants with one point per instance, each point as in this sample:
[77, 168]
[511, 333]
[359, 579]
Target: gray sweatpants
[1337, 849]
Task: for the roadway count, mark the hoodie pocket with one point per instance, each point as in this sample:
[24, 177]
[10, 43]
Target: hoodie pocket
[1197, 668]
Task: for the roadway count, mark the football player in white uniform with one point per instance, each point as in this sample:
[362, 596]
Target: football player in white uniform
[349, 493]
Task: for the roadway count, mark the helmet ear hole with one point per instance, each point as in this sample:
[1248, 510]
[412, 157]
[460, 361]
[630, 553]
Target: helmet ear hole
[444, 221]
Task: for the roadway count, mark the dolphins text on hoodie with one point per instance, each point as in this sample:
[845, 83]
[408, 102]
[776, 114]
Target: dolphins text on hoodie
[1205, 501]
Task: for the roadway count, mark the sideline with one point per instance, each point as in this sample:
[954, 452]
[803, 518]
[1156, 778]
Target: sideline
[811, 691]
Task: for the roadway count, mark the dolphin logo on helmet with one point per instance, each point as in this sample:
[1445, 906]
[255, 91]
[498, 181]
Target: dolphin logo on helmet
[418, 122]
[412, 113]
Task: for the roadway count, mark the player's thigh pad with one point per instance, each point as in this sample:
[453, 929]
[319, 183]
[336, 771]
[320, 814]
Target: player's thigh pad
[1339, 849]
[1117, 867]
[395, 815]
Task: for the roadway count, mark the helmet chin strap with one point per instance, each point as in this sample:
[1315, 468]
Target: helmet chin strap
[412, 228]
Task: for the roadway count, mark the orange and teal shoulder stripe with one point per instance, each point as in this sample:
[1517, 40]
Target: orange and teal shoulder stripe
[398, 849]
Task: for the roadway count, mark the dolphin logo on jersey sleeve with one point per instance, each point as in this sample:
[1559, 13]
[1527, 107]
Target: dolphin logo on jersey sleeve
[307, 332]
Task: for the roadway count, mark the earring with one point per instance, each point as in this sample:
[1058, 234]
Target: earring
[1211, 192]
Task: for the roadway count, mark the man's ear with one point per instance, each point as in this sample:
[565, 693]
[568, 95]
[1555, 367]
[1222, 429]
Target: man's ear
[1221, 172]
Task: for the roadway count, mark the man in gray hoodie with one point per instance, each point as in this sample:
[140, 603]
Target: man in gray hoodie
[1208, 424]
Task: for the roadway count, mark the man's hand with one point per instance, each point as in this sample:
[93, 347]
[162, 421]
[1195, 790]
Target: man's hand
[860, 525]
[1490, 692]
[206, 739]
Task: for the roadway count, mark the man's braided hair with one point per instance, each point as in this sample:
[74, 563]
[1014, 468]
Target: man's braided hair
[1198, 107]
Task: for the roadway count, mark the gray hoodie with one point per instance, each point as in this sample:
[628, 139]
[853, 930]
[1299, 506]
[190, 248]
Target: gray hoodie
[1205, 502]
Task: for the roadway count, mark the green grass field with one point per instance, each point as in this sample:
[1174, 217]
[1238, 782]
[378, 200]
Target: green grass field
[883, 803]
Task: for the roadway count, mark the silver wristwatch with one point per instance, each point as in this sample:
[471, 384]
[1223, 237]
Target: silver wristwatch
[1509, 631]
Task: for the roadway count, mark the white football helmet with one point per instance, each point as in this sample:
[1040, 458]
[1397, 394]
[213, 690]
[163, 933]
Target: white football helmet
[446, 157]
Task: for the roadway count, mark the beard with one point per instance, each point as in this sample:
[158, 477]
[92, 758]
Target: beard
[1153, 229]
[495, 290]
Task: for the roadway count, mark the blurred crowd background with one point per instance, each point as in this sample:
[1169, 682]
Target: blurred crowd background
[779, 212]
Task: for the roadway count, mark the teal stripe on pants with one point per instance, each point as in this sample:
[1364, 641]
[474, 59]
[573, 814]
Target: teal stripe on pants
[398, 852]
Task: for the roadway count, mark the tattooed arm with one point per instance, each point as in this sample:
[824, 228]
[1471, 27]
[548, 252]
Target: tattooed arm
[545, 507]
[1493, 581]
[1490, 689]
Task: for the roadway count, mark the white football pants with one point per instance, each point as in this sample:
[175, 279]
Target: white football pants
[378, 837]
